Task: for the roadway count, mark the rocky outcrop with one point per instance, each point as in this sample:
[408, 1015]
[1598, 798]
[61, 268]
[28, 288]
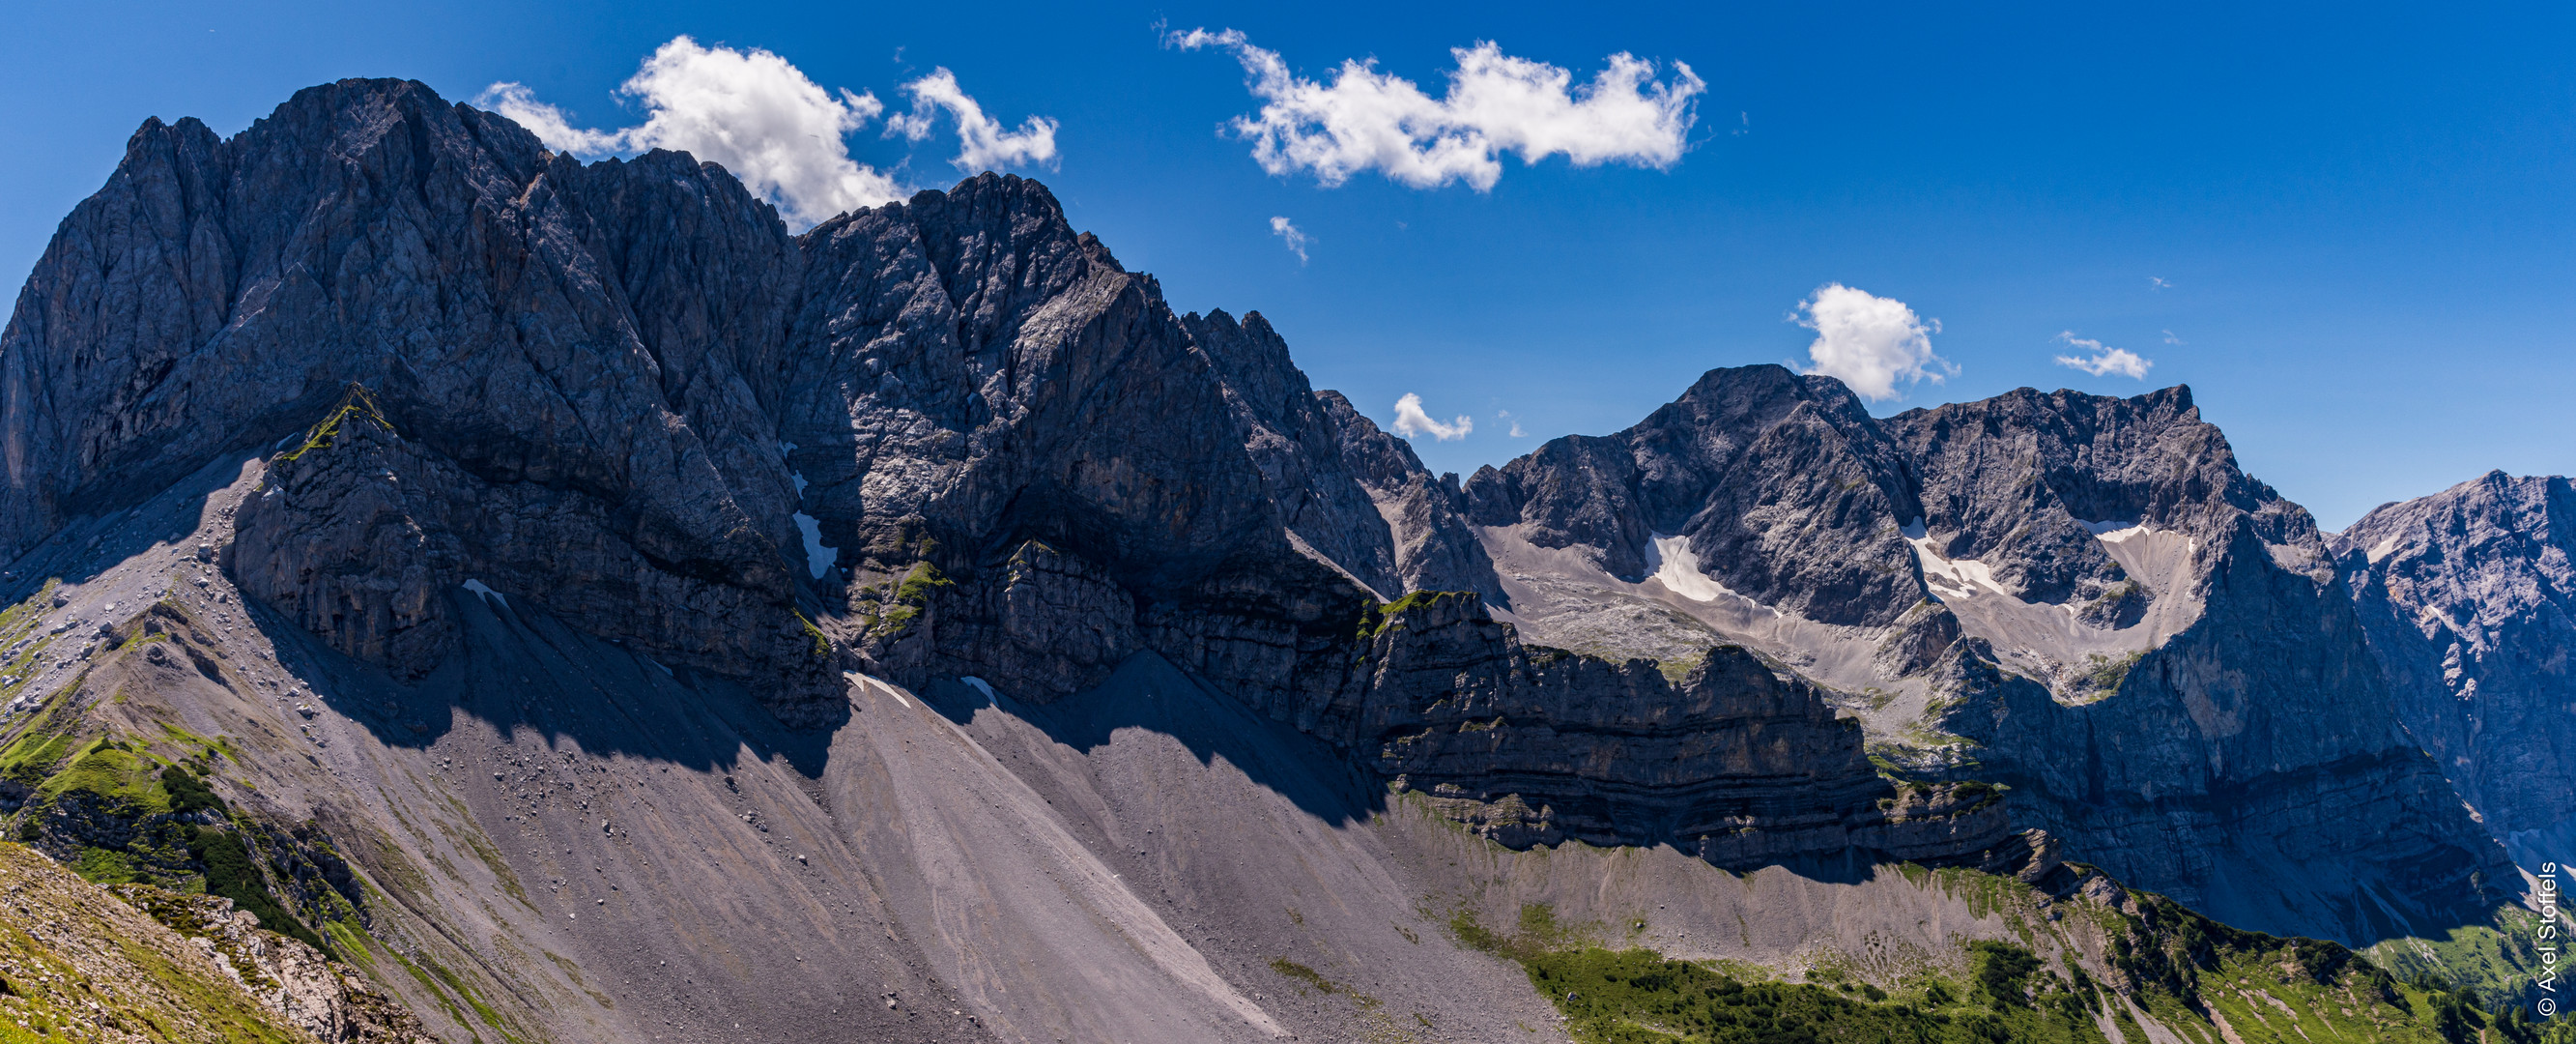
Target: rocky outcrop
[164, 966]
[316, 994]
[981, 385]
[2469, 598]
[370, 540]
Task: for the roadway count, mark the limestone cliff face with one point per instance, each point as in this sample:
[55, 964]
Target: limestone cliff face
[2467, 597]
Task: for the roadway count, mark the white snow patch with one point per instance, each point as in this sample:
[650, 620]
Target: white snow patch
[657, 665]
[1949, 578]
[979, 685]
[489, 594]
[818, 559]
[2159, 557]
[859, 679]
[1678, 569]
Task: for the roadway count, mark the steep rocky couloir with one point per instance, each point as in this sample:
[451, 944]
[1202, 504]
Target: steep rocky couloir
[2467, 597]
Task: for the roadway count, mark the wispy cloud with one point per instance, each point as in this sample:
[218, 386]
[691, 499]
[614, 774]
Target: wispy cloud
[1506, 417]
[2159, 283]
[2104, 361]
[772, 126]
[1410, 421]
[982, 143]
[1287, 230]
[1368, 120]
[2171, 339]
[1870, 342]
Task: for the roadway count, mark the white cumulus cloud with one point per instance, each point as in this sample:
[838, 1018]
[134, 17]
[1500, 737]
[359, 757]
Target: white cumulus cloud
[1411, 421]
[774, 128]
[1368, 120]
[1288, 230]
[750, 111]
[1870, 342]
[2103, 361]
[982, 143]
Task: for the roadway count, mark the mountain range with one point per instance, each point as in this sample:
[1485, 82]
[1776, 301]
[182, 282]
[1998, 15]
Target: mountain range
[588, 611]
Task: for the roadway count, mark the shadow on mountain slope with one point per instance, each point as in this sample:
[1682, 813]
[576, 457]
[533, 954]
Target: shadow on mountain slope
[522, 669]
[1148, 693]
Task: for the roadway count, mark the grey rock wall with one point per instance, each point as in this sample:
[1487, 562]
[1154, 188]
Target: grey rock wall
[2467, 598]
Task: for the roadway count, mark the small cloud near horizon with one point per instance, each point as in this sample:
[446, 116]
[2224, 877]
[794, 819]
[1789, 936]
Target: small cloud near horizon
[2104, 361]
[982, 143]
[1506, 417]
[1369, 120]
[1295, 237]
[1410, 420]
[2159, 283]
[1870, 342]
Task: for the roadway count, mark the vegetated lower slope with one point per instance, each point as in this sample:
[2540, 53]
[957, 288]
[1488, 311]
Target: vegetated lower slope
[2085, 961]
[137, 963]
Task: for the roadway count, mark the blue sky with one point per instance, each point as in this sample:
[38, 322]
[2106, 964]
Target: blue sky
[2361, 217]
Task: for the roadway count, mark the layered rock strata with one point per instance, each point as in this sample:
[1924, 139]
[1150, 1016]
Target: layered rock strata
[1733, 762]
